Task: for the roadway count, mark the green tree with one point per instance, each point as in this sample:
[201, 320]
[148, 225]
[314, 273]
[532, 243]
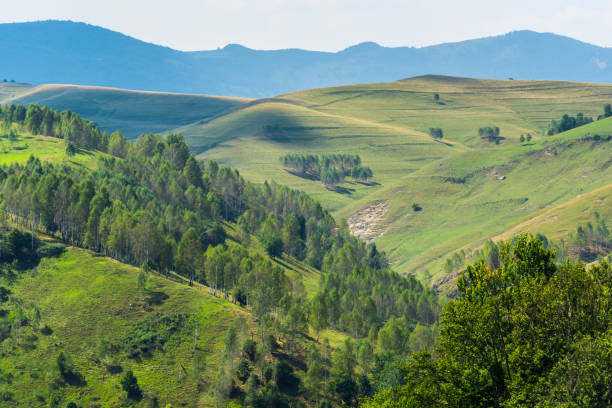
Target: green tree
[70, 149]
[117, 145]
[436, 133]
[129, 384]
[189, 254]
[319, 314]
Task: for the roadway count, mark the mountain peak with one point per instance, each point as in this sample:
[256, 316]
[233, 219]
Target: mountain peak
[364, 46]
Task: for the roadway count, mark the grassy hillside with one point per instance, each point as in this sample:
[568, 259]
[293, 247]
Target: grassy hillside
[12, 89]
[454, 180]
[132, 112]
[46, 148]
[87, 300]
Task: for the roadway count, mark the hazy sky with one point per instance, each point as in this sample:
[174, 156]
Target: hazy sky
[328, 25]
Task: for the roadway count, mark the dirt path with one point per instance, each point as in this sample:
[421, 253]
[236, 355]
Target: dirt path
[367, 224]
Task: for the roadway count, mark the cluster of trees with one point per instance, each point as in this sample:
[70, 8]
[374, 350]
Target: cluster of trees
[607, 112]
[359, 293]
[525, 138]
[568, 122]
[527, 333]
[65, 125]
[591, 240]
[436, 133]
[329, 168]
[490, 134]
[303, 163]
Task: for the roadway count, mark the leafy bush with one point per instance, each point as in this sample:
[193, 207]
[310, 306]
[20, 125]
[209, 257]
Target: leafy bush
[150, 335]
[129, 383]
[50, 250]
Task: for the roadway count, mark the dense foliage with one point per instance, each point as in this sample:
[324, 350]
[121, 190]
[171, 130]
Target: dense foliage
[567, 123]
[526, 333]
[329, 168]
[490, 134]
[65, 125]
[151, 203]
[436, 133]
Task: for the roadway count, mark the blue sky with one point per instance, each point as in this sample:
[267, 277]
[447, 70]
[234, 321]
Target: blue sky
[327, 25]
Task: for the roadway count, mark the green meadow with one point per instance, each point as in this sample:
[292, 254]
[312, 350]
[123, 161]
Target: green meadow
[46, 148]
[86, 300]
[454, 180]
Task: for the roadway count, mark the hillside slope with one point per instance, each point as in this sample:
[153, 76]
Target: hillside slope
[453, 179]
[132, 112]
[87, 301]
[77, 53]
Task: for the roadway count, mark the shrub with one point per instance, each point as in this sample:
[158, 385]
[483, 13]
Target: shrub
[50, 250]
[129, 383]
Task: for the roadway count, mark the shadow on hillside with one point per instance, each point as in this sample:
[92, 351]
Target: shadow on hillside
[307, 176]
[156, 298]
[366, 183]
[340, 189]
[75, 379]
[284, 263]
[443, 142]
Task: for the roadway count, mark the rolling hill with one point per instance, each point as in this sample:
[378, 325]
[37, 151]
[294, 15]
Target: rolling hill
[77, 53]
[132, 112]
[92, 309]
[454, 180]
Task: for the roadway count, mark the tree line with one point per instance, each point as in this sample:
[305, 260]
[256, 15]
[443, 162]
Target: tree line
[65, 125]
[568, 122]
[329, 168]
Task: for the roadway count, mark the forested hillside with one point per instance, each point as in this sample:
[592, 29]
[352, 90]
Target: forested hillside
[153, 205]
[526, 332]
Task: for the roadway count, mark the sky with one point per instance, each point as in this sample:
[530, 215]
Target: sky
[325, 25]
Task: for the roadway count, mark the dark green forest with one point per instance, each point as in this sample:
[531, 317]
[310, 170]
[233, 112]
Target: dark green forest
[527, 333]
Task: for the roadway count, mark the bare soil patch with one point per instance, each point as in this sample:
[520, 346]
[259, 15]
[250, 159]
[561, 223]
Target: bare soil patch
[367, 224]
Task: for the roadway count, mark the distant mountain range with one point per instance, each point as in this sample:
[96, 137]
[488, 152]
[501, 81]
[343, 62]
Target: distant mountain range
[78, 53]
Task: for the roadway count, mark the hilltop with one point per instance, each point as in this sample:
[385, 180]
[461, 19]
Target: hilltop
[131, 112]
[78, 53]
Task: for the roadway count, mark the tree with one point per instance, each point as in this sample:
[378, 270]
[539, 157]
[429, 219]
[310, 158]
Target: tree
[273, 245]
[189, 254]
[292, 236]
[436, 97]
[319, 314]
[142, 281]
[522, 138]
[192, 172]
[251, 398]
[436, 133]
[528, 137]
[420, 339]
[117, 145]
[129, 384]
[70, 149]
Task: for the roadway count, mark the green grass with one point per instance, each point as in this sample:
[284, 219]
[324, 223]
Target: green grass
[132, 112]
[10, 90]
[84, 297]
[387, 125]
[45, 148]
